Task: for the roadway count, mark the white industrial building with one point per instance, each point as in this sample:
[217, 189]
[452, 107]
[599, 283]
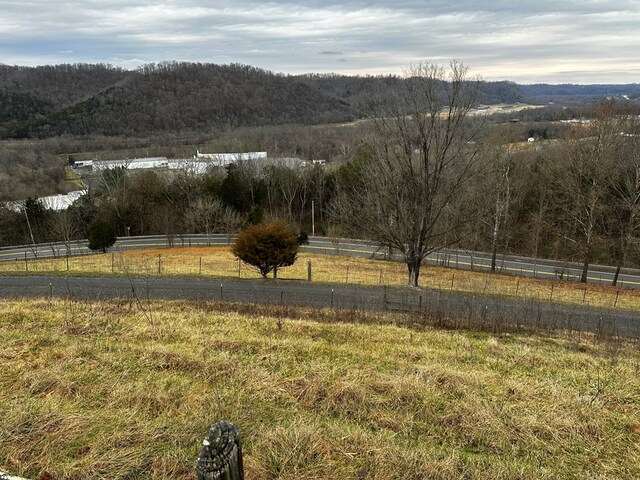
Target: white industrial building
[51, 202]
[224, 159]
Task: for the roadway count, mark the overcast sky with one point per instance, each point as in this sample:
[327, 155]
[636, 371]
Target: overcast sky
[552, 41]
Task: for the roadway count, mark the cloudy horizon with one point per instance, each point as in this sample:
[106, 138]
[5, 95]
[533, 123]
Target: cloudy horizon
[593, 41]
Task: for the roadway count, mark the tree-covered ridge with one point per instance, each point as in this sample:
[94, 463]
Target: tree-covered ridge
[80, 99]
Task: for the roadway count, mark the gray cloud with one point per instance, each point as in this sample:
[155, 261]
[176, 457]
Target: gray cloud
[569, 41]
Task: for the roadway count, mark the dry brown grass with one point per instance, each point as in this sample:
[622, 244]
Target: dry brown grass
[219, 262]
[98, 390]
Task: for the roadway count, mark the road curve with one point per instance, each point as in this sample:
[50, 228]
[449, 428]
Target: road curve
[516, 265]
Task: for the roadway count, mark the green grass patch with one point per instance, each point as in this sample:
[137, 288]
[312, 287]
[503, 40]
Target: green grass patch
[107, 390]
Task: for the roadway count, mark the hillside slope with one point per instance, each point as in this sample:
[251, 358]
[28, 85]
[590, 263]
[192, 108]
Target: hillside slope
[178, 96]
[111, 390]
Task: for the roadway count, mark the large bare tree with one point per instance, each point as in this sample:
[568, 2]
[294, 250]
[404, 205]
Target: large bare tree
[423, 153]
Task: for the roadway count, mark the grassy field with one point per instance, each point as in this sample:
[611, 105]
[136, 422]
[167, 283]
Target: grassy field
[93, 390]
[220, 262]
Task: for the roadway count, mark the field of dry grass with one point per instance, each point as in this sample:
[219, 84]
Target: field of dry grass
[220, 262]
[92, 390]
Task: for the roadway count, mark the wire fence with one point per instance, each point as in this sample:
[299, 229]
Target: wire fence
[219, 262]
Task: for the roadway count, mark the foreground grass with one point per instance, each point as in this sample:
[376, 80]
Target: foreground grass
[219, 262]
[106, 390]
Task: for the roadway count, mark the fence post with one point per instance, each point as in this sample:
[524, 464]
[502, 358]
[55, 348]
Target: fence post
[200, 271]
[159, 264]
[309, 270]
[221, 454]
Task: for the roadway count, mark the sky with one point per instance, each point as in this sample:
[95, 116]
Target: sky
[551, 41]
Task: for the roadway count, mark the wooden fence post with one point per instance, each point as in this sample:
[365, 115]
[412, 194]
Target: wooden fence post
[221, 454]
[309, 270]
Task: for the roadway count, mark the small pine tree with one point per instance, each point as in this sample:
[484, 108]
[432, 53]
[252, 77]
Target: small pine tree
[267, 246]
[101, 235]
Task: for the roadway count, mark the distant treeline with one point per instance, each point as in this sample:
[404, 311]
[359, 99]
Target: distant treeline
[82, 99]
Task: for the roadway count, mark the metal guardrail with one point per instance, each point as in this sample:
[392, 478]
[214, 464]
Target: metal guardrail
[460, 259]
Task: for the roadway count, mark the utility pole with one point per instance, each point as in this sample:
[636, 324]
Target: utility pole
[33, 242]
[313, 218]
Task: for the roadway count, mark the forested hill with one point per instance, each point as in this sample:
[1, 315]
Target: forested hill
[81, 99]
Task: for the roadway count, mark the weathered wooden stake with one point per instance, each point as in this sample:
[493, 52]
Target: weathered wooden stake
[67, 262]
[159, 264]
[200, 270]
[309, 270]
[346, 280]
[221, 454]
[453, 276]
[615, 304]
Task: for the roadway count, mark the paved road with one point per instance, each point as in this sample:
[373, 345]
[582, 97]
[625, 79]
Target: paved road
[466, 309]
[516, 265]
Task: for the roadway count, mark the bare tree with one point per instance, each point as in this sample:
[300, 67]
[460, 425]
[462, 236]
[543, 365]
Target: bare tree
[64, 227]
[424, 151]
[582, 180]
[212, 216]
[499, 194]
[624, 212]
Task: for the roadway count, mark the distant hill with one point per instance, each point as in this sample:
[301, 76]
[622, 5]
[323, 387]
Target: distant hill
[82, 99]
[572, 93]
